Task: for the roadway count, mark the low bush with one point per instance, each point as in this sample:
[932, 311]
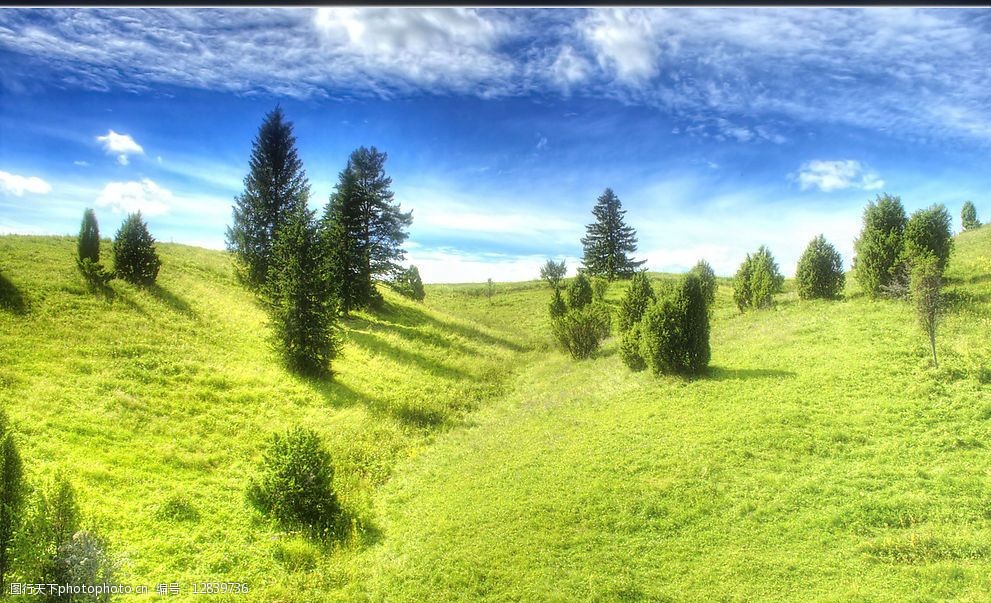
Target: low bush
[757, 280]
[674, 332]
[599, 287]
[295, 482]
[639, 296]
[581, 330]
[579, 292]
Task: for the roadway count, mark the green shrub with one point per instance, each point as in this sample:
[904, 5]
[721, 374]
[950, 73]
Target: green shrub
[581, 330]
[757, 280]
[135, 259]
[674, 332]
[820, 271]
[295, 482]
[11, 495]
[639, 296]
[83, 561]
[579, 292]
[557, 307]
[707, 276]
[879, 247]
[928, 233]
[926, 286]
[88, 250]
[629, 348]
[599, 287]
[409, 284]
[968, 216]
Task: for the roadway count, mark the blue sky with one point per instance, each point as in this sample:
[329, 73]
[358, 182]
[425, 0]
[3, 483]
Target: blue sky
[719, 129]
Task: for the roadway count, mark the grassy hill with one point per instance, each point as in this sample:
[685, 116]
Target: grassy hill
[822, 459]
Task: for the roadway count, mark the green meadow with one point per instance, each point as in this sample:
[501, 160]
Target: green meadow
[821, 459]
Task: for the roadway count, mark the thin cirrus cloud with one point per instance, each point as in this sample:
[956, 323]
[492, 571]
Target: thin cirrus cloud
[915, 73]
[128, 197]
[121, 145]
[828, 176]
[18, 186]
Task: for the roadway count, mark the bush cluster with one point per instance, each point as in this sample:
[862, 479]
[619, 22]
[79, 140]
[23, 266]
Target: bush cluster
[674, 332]
[639, 296]
[581, 330]
[879, 246]
[820, 271]
[579, 292]
[707, 277]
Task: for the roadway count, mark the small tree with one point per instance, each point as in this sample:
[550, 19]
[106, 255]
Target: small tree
[639, 296]
[557, 307]
[47, 531]
[757, 280]
[820, 271]
[968, 216]
[88, 250]
[83, 561]
[927, 232]
[675, 331]
[707, 277]
[880, 244]
[409, 284]
[581, 330]
[926, 285]
[553, 272]
[579, 292]
[608, 242]
[135, 258]
[11, 495]
[599, 288]
[295, 482]
[489, 289]
[629, 348]
[299, 297]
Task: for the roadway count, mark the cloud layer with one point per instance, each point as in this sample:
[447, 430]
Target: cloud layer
[17, 186]
[917, 73]
[129, 197]
[829, 176]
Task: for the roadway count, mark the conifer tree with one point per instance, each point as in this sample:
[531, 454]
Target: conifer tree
[88, 245]
[880, 244]
[707, 278]
[274, 188]
[927, 232]
[298, 292]
[968, 216]
[820, 271]
[364, 229]
[135, 258]
[609, 243]
[579, 292]
[639, 296]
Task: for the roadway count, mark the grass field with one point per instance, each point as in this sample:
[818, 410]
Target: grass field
[822, 459]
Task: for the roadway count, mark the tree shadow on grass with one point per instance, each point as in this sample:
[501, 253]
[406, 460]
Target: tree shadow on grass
[409, 316]
[340, 396]
[11, 298]
[375, 344]
[719, 373]
[171, 300]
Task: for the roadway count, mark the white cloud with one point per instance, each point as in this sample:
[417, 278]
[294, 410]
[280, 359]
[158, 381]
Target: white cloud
[18, 185]
[128, 197]
[120, 144]
[624, 41]
[569, 67]
[81, 163]
[830, 176]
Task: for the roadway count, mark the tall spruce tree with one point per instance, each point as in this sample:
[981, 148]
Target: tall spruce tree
[274, 188]
[609, 242]
[364, 229]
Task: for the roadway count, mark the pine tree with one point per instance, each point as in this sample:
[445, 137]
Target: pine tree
[88, 245]
[11, 495]
[364, 229]
[135, 258]
[274, 188]
[609, 242]
[298, 293]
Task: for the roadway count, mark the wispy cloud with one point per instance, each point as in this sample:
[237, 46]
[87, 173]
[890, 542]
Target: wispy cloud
[129, 197]
[830, 176]
[121, 145]
[17, 185]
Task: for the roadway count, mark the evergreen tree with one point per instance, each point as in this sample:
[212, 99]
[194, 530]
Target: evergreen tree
[757, 280]
[557, 307]
[927, 232]
[674, 332]
[135, 258]
[299, 294]
[11, 495]
[274, 188]
[820, 271]
[707, 278]
[88, 245]
[639, 296]
[579, 292]
[364, 229]
[609, 242]
[968, 216]
[879, 246]
[409, 284]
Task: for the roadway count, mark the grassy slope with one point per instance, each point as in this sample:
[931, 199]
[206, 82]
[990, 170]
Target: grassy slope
[822, 459]
[157, 404]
